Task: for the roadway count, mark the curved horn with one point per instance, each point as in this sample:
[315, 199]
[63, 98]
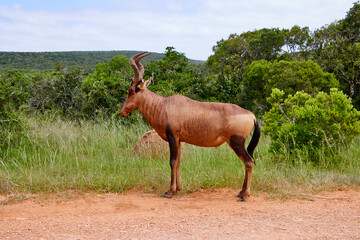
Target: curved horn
[134, 66]
[137, 66]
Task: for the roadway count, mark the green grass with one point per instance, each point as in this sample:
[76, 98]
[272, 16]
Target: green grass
[61, 155]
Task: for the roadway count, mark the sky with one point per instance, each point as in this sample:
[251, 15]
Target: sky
[193, 27]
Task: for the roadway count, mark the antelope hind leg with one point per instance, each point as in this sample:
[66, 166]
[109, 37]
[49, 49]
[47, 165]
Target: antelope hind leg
[237, 144]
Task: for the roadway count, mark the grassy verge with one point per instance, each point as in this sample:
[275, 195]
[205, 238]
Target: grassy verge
[61, 155]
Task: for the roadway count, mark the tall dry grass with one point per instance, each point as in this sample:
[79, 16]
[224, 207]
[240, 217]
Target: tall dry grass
[59, 155]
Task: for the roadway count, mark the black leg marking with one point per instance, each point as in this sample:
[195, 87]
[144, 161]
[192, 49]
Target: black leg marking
[237, 143]
[172, 144]
[174, 151]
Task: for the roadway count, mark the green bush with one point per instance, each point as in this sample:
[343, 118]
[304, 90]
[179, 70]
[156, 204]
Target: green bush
[57, 92]
[314, 124]
[106, 88]
[12, 96]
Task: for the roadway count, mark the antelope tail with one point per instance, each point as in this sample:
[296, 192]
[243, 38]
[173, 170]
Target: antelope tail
[254, 140]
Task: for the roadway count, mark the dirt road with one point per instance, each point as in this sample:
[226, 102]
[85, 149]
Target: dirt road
[212, 214]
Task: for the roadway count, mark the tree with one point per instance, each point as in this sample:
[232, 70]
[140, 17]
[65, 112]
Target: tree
[235, 53]
[298, 42]
[14, 88]
[174, 74]
[350, 26]
[262, 76]
[239, 63]
[337, 50]
[57, 92]
[106, 88]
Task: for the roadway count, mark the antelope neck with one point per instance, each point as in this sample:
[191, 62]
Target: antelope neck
[152, 108]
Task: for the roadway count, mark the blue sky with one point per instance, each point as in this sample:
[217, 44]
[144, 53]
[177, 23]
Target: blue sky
[191, 26]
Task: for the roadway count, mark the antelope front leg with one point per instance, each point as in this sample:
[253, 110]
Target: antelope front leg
[174, 145]
[178, 179]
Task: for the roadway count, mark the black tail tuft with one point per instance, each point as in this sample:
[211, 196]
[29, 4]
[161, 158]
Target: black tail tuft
[254, 140]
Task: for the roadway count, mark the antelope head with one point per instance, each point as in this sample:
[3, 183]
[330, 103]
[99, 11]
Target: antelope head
[138, 85]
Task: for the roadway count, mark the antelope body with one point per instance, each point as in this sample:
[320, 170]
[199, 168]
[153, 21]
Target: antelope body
[180, 119]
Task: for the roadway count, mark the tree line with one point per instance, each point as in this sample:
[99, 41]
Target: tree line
[303, 85]
[50, 61]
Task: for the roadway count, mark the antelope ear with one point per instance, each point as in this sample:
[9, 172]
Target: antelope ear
[145, 84]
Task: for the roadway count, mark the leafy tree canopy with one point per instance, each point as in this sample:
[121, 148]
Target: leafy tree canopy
[337, 49]
[262, 76]
[106, 88]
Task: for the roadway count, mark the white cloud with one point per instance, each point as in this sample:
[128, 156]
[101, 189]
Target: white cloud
[192, 27]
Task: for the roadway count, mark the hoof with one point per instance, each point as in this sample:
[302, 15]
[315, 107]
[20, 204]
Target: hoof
[166, 195]
[243, 197]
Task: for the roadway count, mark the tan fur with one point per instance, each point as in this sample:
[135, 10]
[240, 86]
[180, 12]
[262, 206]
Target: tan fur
[203, 124]
[199, 123]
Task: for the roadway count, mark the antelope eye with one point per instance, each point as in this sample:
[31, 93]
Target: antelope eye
[130, 91]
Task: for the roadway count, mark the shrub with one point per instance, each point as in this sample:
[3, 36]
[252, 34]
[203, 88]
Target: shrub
[303, 122]
[106, 88]
[57, 92]
[12, 96]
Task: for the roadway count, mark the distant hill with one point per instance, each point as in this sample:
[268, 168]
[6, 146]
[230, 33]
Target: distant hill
[49, 60]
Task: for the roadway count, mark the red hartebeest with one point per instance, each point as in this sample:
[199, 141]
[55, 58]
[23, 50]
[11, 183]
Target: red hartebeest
[179, 119]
